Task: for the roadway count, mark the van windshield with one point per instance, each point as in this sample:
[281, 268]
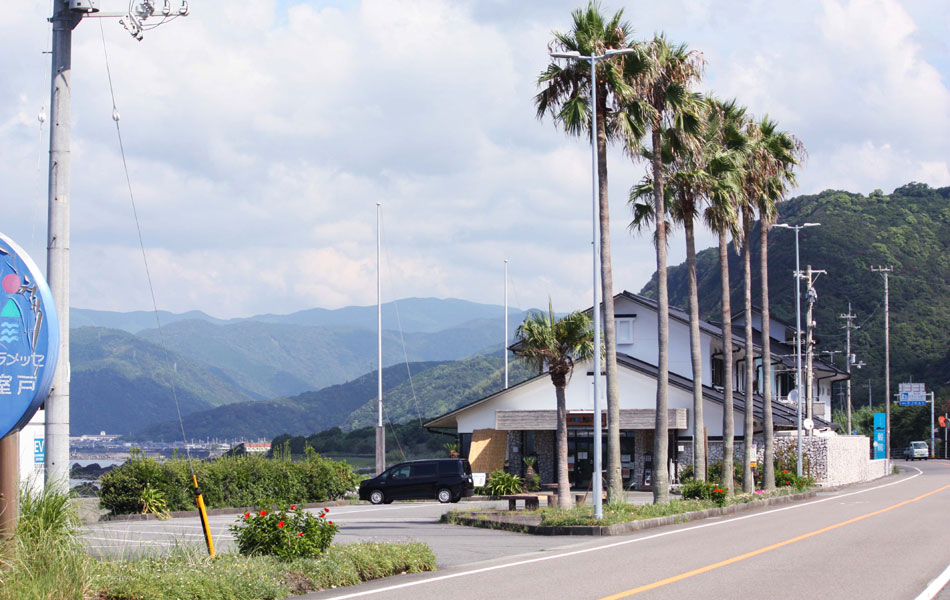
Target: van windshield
[919, 444]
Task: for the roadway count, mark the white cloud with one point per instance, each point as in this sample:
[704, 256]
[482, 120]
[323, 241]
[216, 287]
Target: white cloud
[260, 138]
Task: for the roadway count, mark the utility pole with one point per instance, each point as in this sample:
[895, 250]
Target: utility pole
[811, 296]
[380, 432]
[849, 325]
[504, 347]
[884, 271]
[64, 20]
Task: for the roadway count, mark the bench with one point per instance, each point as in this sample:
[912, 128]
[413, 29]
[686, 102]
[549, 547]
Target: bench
[531, 501]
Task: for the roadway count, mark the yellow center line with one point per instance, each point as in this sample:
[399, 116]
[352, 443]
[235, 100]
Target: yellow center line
[741, 557]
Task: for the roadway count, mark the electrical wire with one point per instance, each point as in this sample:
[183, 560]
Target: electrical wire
[138, 227]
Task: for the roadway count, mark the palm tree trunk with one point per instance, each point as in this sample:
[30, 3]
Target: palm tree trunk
[661, 477]
[748, 484]
[696, 354]
[728, 419]
[564, 497]
[768, 473]
[614, 480]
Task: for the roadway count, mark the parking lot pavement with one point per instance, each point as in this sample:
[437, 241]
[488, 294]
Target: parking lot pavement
[397, 522]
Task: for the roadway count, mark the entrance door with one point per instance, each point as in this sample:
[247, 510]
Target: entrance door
[580, 456]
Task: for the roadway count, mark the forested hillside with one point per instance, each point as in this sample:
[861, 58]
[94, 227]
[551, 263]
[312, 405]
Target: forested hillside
[436, 387]
[908, 229]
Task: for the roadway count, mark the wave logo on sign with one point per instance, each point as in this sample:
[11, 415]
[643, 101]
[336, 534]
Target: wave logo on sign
[29, 337]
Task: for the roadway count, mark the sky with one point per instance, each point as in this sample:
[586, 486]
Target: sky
[261, 135]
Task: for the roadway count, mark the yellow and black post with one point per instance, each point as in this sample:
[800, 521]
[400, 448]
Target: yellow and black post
[204, 516]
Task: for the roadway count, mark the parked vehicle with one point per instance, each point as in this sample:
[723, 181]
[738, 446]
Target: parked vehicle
[917, 450]
[445, 479]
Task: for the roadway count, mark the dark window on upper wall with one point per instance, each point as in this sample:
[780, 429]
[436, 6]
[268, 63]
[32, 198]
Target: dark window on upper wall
[718, 371]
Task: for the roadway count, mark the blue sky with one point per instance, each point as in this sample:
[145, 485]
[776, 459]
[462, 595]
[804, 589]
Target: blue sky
[261, 137]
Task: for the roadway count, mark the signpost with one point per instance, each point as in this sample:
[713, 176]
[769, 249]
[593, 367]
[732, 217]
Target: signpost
[29, 348]
[912, 394]
[880, 424]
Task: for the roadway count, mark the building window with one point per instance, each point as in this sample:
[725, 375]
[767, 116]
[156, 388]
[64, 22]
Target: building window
[718, 371]
[624, 330]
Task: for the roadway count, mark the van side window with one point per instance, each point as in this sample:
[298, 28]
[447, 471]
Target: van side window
[448, 467]
[400, 472]
[425, 469]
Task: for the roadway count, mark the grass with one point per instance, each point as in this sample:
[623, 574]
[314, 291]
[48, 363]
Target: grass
[46, 560]
[189, 573]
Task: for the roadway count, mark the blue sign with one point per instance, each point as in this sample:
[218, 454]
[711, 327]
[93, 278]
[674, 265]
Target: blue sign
[39, 450]
[29, 338]
[880, 443]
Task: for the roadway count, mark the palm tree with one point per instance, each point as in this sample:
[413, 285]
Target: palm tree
[724, 126]
[665, 103]
[687, 183]
[779, 153]
[557, 344]
[565, 94]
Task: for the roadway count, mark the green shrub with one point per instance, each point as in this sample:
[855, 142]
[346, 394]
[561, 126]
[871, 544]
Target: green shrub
[698, 490]
[500, 483]
[532, 482]
[786, 478]
[686, 473]
[232, 481]
[286, 534]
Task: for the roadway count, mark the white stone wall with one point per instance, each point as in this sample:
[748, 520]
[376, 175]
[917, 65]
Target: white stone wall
[830, 461]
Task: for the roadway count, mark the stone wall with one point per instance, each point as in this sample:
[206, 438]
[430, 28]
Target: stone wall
[830, 461]
[544, 449]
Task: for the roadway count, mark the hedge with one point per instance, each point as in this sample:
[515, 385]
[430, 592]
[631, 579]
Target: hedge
[231, 481]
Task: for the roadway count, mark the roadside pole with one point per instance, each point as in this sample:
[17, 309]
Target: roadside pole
[9, 480]
[933, 448]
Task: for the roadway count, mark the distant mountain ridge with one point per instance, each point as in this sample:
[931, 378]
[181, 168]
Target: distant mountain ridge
[427, 315]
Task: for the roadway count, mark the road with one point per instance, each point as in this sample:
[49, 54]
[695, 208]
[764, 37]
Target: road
[885, 539]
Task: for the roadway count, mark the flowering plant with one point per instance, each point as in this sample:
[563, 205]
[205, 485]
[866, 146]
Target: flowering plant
[287, 534]
[718, 495]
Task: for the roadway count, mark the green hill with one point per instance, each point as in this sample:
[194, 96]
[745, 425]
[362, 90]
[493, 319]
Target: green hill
[908, 229]
[437, 387]
[120, 381]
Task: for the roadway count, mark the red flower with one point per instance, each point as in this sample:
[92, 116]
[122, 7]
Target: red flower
[247, 515]
[326, 510]
[293, 507]
[263, 513]
[331, 522]
[299, 534]
[280, 525]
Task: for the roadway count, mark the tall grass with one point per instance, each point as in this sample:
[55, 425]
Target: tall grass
[44, 560]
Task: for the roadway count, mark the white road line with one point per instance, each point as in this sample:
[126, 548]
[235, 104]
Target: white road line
[617, 544]
[935, 586]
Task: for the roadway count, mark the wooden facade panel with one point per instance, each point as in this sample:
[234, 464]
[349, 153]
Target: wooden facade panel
[487, 452]
[645, 418]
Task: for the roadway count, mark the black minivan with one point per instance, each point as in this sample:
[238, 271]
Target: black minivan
[445, 479]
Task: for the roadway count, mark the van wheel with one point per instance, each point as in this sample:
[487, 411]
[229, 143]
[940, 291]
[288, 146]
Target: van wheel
[377, 497]
[444, 495]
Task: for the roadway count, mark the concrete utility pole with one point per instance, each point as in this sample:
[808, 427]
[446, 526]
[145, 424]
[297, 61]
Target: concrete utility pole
[64, 21]
[848, 358]
[811, 296]
[884, 271]
[504, 347]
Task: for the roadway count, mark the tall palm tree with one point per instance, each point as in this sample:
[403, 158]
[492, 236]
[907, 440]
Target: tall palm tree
[687, 184]
[557, 344]
[566, 95]
[779, 152]
[724, 126]
[664, 102]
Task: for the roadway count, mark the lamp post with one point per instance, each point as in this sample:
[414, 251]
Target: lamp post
[597, 484]
[798, 332]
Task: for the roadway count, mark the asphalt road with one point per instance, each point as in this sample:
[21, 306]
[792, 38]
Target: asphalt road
[886, 539]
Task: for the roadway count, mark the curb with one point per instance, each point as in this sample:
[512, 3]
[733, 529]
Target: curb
[519, 524]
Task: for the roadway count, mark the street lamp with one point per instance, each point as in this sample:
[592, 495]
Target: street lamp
[597, 484]
[798, 332]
